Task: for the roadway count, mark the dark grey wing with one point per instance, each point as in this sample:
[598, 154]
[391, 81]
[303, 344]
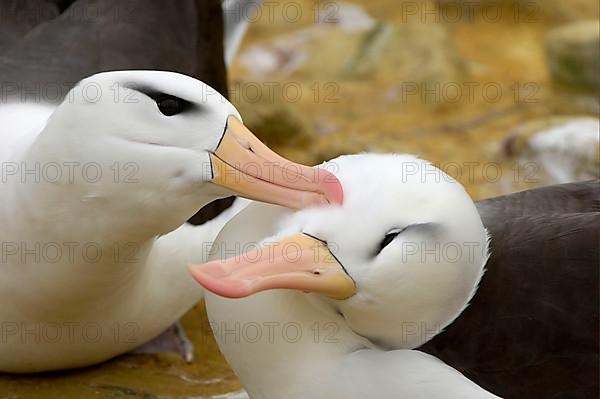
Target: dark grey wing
[531, 331]
[582, 197]
[46, 46]
[47, 43]
[16, 20]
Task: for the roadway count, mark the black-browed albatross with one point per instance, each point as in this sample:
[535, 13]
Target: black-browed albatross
[530, 330]
[47, 46]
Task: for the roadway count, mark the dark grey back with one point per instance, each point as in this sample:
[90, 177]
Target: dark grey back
[531, 331]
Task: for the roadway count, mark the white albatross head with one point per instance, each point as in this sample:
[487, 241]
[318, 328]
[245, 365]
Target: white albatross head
[162, 135]
[399, 260]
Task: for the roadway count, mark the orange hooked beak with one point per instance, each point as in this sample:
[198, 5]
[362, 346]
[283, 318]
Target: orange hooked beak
[243, 164]
[299, 262]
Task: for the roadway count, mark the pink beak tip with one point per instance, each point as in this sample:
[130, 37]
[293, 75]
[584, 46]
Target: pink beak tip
[211, 276]
[332, 187]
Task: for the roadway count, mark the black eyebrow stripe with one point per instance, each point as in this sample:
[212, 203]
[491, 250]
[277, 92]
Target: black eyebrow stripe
[431, 226]
[156, 94]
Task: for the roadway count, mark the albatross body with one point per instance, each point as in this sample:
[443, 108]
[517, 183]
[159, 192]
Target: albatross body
[95, 196]
[530, 328]
[330, 304]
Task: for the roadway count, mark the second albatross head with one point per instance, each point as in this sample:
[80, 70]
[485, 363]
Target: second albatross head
[399, 260]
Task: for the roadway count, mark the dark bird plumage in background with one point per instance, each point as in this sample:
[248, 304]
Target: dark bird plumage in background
[531, 331]
[52, 41]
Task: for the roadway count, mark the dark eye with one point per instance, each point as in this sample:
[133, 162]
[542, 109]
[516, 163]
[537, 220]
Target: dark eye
[171, 105]
[428, 229]
[389, 237]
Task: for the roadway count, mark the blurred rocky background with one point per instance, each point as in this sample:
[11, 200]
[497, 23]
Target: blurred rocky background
[501, 94]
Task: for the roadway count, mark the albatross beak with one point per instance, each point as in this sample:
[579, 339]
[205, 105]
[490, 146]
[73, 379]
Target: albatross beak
[243, 164]
[299, 262]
